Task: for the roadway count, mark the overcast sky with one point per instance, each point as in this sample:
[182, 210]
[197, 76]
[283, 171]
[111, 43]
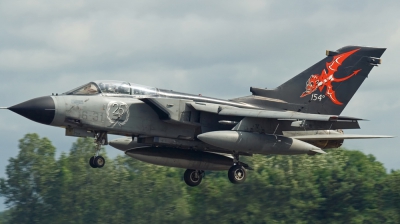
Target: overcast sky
[216, 48]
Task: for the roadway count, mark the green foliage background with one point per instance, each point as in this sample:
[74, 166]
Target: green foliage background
[340, 187]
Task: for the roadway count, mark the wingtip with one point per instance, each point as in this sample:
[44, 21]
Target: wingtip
[384, 136]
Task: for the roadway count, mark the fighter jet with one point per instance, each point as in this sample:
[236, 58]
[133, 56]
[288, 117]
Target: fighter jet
[198, 133]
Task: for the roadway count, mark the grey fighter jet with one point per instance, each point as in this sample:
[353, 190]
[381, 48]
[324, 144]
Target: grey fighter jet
[198, 133]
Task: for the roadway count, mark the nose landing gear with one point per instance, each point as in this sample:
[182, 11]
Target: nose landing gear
[98, 161]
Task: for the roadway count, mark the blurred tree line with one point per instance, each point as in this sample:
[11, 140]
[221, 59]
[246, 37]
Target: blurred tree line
[340, 187]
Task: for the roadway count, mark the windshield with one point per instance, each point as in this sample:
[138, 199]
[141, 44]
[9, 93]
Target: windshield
[87, 89]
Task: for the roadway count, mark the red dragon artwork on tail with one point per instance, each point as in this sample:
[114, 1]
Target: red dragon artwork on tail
[326, 77]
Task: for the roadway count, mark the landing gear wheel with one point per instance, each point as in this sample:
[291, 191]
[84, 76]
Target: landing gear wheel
[237, 174]
[91, 162]
[99, 161]
[193, 177]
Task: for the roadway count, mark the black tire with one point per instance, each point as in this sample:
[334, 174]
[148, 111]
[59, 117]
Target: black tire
[99, 161]
[91, 162]
[237, 174]
[192, 177]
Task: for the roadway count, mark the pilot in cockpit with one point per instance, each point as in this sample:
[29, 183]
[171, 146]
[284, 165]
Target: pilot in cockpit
[123, 89]
[107, 88]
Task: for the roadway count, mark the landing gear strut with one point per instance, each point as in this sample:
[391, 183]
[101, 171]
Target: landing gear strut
[237, 173]
[193, 177]
[98, 161]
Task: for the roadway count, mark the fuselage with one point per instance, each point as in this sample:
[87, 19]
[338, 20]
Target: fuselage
[126, 109]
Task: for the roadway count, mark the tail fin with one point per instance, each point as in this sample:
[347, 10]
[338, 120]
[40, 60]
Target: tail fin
[325, 87]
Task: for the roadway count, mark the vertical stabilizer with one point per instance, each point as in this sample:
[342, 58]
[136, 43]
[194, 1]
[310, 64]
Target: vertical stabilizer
[326, 87]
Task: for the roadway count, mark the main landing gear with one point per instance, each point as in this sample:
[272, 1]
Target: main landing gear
[98, 161]
[236, 174]
[193, 177]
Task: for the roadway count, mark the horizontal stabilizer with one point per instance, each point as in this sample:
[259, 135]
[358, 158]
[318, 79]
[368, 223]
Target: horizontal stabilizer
[338, 137]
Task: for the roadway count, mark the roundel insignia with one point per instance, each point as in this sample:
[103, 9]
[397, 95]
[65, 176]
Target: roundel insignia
[117, 113]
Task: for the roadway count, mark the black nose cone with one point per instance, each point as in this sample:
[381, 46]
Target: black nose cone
[40, 109]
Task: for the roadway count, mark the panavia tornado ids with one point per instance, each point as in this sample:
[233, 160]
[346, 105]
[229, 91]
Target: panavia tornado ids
[198, 133]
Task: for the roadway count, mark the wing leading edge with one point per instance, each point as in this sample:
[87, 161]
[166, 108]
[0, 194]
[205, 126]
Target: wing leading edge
[282, 115]
[338, 137]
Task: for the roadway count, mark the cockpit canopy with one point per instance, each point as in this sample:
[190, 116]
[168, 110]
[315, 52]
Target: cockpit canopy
[110, 87]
